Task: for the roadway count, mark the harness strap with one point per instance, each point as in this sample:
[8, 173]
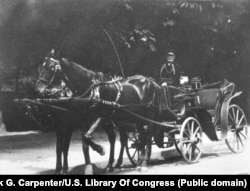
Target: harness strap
[119, 90]
[150, 120]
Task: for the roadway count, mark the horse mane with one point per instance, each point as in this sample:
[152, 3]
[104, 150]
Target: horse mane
[78, 69]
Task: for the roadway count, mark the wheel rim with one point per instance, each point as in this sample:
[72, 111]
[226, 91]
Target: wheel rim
[191, 140]
[237, 129]
[134, 149]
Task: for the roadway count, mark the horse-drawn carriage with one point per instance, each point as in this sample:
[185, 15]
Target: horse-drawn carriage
[144, 112]
[208, 109]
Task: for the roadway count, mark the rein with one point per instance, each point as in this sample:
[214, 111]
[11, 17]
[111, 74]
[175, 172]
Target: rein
[149, 120]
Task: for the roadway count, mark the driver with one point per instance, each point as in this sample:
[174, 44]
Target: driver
[169, 70]
[169, 75]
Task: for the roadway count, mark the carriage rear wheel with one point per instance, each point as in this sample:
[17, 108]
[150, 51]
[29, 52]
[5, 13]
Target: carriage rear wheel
[237, 129]
[134, 149]
[191, 140]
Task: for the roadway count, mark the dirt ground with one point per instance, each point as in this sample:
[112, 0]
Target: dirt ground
[33, 152]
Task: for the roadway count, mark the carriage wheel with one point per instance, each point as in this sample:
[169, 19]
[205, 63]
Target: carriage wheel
[237, 129]
[191, 140]
[134, 149]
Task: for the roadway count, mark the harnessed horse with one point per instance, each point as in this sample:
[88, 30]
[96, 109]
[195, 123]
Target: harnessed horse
[63, 78]
[137, 95]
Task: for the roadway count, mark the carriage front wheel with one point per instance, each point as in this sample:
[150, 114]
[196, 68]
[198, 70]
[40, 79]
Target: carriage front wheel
[134, 149]
[237, 129]
[191, 140]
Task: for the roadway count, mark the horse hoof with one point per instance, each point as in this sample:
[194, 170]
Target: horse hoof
[89, 169]
[64, 172]
[141, 168]
[138, 168]
[116, 170]
[57, 172]
[144, 169]
[110, 169]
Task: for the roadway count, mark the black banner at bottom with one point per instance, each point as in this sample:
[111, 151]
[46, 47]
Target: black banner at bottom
[125, 181]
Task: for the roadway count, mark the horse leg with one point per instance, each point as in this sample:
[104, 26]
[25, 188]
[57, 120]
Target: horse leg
[123, 141]
[111, 136]
[85, 147]
[149, 136]
[86, 142]
[66, 143]
[143, 143]
[146, 145]
[89, 134]
[59, 143]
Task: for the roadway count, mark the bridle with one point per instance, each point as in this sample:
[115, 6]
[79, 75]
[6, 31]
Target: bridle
[57, 69]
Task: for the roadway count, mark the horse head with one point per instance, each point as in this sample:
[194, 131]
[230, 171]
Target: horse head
[50, 80]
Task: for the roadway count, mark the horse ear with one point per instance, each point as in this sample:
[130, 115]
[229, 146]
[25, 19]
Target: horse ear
[51, 53]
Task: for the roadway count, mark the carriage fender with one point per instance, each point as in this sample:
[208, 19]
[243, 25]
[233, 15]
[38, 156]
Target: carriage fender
[224, 115]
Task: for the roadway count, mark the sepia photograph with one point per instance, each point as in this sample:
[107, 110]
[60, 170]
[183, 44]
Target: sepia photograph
[125, 87]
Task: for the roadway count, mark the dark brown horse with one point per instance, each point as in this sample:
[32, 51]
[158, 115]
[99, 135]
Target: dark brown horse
[135, 95]
[63, 78]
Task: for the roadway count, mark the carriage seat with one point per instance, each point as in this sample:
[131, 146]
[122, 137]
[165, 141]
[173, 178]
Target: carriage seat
[208, 98]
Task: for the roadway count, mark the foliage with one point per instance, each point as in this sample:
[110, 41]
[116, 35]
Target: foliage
[210, 38]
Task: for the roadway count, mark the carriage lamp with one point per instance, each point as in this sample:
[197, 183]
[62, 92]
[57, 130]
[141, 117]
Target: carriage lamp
[195, 84]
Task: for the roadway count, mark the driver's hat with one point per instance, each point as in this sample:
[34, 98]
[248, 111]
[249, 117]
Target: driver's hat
[170, 53]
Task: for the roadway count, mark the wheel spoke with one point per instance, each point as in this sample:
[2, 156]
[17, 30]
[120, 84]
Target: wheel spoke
[237, 116]
[237, 143]
[242, 117]
[196, 131]
[230, 116]
[244, 136]
[188, 135]
[233, 113]
[190, 153]
[188, 127]
[239, 138]
[192, 127]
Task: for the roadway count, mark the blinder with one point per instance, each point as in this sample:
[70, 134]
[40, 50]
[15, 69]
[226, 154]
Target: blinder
[56, 69]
